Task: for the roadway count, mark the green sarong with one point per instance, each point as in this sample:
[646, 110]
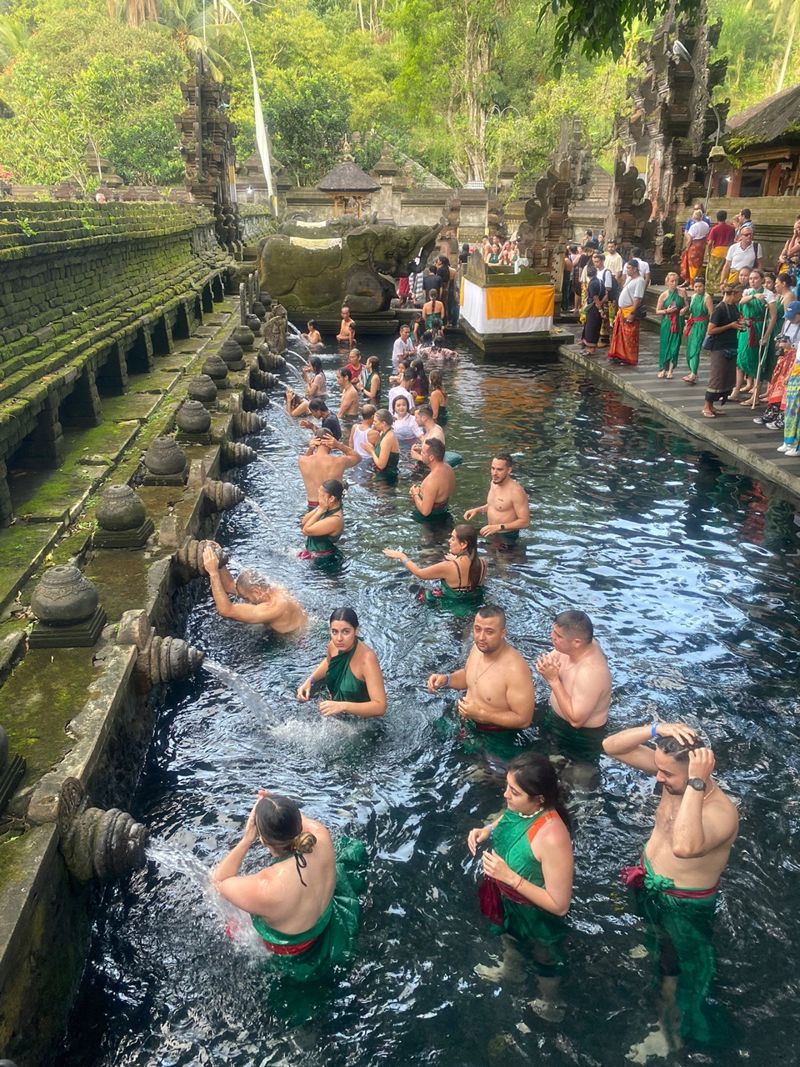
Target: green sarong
[342, 683]
[698, 327]
[322, 546]
[330, 941]
[459, 602]
[670, 338]
[681, 940]
[442, 511]
[511, 840]
[753, 312]
[582, 744]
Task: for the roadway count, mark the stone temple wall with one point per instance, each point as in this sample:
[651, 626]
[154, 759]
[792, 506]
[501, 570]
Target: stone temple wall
[90, 293]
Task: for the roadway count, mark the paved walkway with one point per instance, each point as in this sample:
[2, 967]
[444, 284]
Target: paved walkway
[735, 435]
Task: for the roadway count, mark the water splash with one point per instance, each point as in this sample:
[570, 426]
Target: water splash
[249, 697]
[172, 859]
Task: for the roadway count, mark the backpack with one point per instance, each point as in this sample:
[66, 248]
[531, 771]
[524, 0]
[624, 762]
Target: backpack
[615, 290]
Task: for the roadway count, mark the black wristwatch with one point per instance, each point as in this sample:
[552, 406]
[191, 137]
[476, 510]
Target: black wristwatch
[698, 784]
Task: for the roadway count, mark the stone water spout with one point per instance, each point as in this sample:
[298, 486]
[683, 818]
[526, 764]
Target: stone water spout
[262, 379]
[98, 843]
[235, 454]
[189, 557]
[159, 659]
[270, 360]
[222, 495]
[246, 422]
[253, 399]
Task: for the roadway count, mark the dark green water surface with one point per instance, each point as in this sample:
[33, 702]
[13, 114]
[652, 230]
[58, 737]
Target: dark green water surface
[690, 573]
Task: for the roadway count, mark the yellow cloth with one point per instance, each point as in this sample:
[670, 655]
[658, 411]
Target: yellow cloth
[520, 301]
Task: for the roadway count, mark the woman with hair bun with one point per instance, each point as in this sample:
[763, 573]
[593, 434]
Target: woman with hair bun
[460, 574]
[323, 525]
[528, 863]
[350, 671]
[305, 910]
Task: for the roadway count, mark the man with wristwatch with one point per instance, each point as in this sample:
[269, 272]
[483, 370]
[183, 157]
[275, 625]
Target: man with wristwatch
[677, 880]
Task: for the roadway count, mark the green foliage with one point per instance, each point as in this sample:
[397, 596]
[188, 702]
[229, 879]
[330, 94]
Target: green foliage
[86, 79]
[462, 87]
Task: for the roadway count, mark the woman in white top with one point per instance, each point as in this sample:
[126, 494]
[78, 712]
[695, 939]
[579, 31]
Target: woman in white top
[404, 425]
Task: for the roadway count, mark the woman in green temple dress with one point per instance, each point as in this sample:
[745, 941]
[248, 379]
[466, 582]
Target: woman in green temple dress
[323, 524]
[696, 318]
[669, 306]
[755, 309]
[460, 574]
[528, 863]
[350, 671]
[304, 904]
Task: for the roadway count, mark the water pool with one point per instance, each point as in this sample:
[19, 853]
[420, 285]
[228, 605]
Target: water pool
[690, 572]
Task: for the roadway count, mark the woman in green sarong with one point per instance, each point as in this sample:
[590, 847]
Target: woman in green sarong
[696, 318]
[306, 910]
[323, 525]
[386, 451]
[754, 307]
[460, 574]
[528, 864]
[669, 306]
[350, 671]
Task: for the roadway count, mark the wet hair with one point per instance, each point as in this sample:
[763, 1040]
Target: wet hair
[428, 335]
[385, 416]
[319, 432]
[250, 579]
[435, 380]
[311, 322]
[317, 405]
[345, 372]
[671, 746]
[316, 364]
[434, 295]
[280, 823]
[368, 411]
[333, 487]
[347, 615]
[425, 409]
[576, 624]
[435, 447]
[536, 776]
[722, 216]
[373, 363]
[418, 367]
[491, 611]
[468, 535]
[504, 457]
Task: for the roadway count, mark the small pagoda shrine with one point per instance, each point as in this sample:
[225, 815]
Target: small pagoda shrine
[348, 186]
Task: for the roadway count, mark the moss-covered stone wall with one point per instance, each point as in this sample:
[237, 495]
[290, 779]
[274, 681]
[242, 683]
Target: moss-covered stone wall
[90, 293]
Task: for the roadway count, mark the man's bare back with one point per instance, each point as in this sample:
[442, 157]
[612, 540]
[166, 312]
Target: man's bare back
[320, 466]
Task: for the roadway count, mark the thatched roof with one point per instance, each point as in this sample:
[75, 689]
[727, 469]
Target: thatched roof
[775, 119]
[346, 177]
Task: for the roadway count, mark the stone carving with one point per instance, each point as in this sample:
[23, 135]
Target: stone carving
[269, 359]
[222, 495]
[165, 457]
[262, 379]
[63, 597]
[216, 369]
[352, 272]
[253, 399]
[120, 508]
[96, 843]
[202, 388]
[235, 454]
[189, 557]
[166, 659]
[232, 354]
[193, 418]
[245, 422]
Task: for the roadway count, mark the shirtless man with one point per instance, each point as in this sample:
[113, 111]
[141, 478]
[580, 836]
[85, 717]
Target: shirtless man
[347, 329]
[431, 496]
[350, 401]
[497, 679]
[678, 880]
[319, 463]
[427, 428]
[506, 506]
[580, 683]
[265, 603]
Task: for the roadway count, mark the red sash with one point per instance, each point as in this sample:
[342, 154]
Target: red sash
[289, 950]
[687, 329]
[491, 892]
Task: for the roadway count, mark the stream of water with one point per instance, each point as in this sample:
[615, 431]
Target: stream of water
[689, 570]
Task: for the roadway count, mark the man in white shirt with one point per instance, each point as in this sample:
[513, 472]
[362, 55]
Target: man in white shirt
[744, 253]
[402, 347]
[644, 266]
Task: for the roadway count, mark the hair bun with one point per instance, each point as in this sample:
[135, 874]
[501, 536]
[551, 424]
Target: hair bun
[304, 842]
